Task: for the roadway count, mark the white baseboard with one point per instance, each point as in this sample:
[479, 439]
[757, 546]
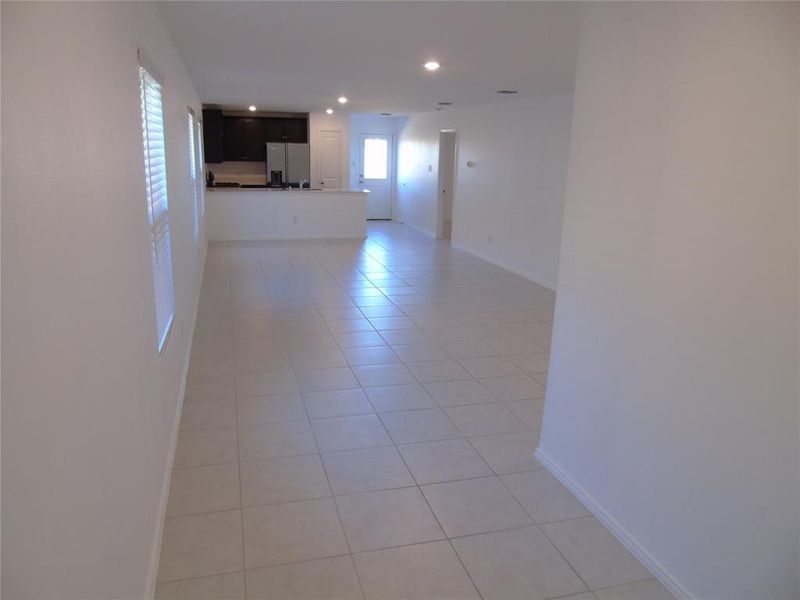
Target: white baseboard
[503, 265]
[155, 553]
[619, 532]
[420, 229]
[269, 238]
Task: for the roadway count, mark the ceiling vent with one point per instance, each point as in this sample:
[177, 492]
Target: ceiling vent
[386, 114]
[444, 103]
[507, 91]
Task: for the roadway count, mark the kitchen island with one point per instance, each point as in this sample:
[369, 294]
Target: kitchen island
[236, 214]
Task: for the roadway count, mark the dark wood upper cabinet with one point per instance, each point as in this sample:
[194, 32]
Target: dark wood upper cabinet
[274, 130]
[243, 139]
[212, 135]
[239, 138]
[296, 130]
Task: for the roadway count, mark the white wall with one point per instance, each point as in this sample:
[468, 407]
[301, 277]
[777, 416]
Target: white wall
[338, 121]
[89, 406]
[673, 390]
[515, 192]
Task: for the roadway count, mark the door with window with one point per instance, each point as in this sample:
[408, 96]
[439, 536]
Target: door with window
[375, 174]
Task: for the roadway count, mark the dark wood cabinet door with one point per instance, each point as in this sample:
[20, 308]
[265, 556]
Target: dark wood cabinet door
[254, 141]
[274, 130]
[244, 139]
[212, 135]
[296, 131]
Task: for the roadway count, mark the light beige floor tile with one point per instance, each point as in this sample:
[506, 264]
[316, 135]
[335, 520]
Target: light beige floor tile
[318, 380]
[283, 533]
[337, 403]
[391, 323]
[377, 375]
[468, 349]
[594, 553]
[370, 355]
[484, 419]
[517, 564]
[270, 409]
[489, 366]
[448, 460]
[210, 388]
[401, 337]
[207, 414]
[206, 447]
[305, 360]
[203, 489]
[515, 345]
[323, 579]
[532, 362]
[508, 452]
[438, 370]
[412, 426]
[359, 339]
[388, 518]
[474, 506]
[389, 398]
[265, 384]
[229, 586]
[458, 393]
[418, 352]
[529, 412]
[273, 440]
[367, 469]
[201, 545]
[543, 496]
[649, 589]
[513, 387]
[350, 433]
[283, 479]
[421, 572]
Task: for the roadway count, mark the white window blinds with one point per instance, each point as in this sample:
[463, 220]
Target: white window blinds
[155, 168]
[195, 171]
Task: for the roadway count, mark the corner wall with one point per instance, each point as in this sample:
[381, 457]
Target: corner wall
[89, 405]
[672, 400]
[515, 191]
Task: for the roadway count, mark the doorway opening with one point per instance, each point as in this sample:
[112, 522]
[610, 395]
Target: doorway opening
[375, 174]
[447, 180]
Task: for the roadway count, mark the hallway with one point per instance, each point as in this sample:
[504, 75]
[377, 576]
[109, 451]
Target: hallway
[360, 420]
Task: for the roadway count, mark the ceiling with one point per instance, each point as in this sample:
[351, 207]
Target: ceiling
[301, 56]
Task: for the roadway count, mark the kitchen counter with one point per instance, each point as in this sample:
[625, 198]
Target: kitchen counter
[274, 190]
[236, 214]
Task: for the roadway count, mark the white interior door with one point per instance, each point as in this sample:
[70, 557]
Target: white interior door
[375, 174]
[329, 159]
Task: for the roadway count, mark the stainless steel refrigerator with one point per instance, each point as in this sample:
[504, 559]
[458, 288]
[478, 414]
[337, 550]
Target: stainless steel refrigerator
[292, 160]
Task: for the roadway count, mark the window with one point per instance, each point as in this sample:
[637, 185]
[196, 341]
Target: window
[195, 171]
[155, 169]
[376, 154]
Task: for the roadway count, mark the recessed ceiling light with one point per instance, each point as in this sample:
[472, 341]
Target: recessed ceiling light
[251, 108]
[431, 65]
[329, 111]
[444, 103]
[342, 99]
[507, 92]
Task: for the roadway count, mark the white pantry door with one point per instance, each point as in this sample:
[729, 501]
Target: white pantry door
[375, 174]
[329, 159]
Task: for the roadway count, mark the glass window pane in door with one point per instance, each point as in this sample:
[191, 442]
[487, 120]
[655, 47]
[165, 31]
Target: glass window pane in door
[376, 153]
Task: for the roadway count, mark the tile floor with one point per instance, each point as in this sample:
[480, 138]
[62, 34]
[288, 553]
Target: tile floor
[360, 421]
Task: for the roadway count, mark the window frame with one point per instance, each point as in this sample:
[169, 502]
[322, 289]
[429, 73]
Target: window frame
[155, 169]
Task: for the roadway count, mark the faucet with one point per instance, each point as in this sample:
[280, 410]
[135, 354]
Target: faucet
[302, 183]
